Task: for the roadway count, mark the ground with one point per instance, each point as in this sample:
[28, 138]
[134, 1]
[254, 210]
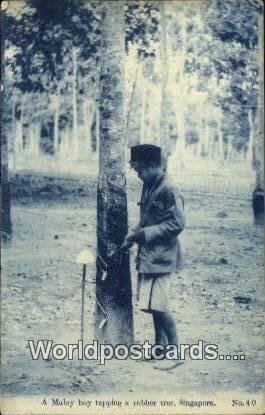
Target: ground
[54, 218]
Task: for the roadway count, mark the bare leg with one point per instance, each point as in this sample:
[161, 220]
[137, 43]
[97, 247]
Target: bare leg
[160, 336]
[167, 324]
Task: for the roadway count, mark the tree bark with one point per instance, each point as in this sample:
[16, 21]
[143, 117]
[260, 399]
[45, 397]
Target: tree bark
[220, 140]
[180, 149]
[143, 107]
[200, 128]
[206, 139]
[150, 119]
[211, 143]
[56, 103]
[95, 129]
[88, 119]
[258, 193]
[179, 152]
[229, 149]
[114, 319]
[6, 227]
[164, 126]
[250, 152]
[74, 105]
[132, 98]
[36, 140]
[259, 141]
[19, 129]
[13, 142]
[66, 142]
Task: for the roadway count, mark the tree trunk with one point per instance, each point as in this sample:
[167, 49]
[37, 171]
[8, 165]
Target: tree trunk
[250, 151]
[200, 128]
[220, 141]
[88, 119]
[56, 101]
[229, 150]
[211, 138]
[75, 141]
[207, 139]
[36, 140]
[164, 126]
[114, 319]
[179, 153]
[13, 143]
[19, 130]
[181, 134]
[143, 106]
[199, 143]
[6, 227]
[95, 129]
[258, 193]
[65, 148]
[149, 132]
[132, 98]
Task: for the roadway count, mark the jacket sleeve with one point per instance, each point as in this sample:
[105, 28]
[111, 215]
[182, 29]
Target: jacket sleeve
[172, 221]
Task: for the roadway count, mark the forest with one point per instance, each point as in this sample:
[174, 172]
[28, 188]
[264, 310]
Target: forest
[192, 79]
[82, 82]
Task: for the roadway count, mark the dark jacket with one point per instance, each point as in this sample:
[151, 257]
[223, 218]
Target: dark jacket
[162, 219]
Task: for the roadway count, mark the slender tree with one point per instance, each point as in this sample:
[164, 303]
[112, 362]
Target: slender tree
[164, 127]
[258, 194]
[114, 321]
[68, 70]
[6, 227]
[181, 87]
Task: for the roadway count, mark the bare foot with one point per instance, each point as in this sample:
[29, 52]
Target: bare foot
[166, 364]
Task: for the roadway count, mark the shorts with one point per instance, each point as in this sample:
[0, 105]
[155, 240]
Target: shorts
[153, 292]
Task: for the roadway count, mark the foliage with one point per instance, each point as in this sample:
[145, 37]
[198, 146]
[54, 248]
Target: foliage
[44, 37]
[234, 53]
[217, 42]
[142, 24]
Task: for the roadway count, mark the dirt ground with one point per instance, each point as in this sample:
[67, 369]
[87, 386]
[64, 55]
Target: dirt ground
[41, 289]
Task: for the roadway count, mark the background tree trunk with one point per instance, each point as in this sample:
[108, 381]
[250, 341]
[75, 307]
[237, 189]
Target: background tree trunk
[12, 147]
[206, 139]
[250, 151]
[97, 129]
[149, 129]
[36, 140]
[19, 129]
[56, 104]
[132, 99]
[75, 137]
[113, 294]
[220, 140]
[200, 128]
[259, 141]
[258, 193]
[178, 155]
[6, 227]
[143, 109]
[164, 126]
[88, 109]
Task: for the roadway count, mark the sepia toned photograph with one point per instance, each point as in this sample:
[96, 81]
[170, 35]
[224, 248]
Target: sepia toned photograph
[132, 207]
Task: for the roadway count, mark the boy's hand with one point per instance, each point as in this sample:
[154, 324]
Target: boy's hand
[132, 237]
[139, 236]
[128, 241]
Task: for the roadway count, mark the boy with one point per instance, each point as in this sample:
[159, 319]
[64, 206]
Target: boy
[159, 254]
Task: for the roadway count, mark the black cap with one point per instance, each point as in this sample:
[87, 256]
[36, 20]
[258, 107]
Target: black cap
[146, 153]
